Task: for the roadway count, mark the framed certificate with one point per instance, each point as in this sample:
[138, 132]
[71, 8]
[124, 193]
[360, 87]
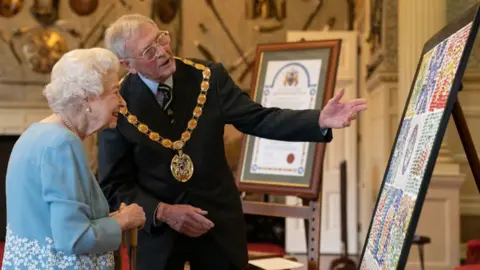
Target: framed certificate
[298, 76]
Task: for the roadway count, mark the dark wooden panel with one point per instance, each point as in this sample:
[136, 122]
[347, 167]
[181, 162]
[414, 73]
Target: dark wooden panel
[6, 145]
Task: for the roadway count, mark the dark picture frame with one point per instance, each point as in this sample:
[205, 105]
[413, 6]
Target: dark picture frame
[292, 53]
[430, 102]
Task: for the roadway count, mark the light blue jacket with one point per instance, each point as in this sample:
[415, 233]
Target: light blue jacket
[57, 215]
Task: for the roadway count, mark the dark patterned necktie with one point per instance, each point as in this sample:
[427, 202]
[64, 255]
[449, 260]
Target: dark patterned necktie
[164, 95]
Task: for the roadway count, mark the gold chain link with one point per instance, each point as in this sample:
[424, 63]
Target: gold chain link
[192, 123]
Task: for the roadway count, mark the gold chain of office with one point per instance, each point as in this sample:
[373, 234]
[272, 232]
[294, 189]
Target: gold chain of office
[181, 166]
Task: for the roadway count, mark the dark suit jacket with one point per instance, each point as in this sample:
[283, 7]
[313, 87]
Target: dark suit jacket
[132, 168]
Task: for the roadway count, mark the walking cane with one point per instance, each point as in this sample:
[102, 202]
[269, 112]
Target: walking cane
[133, 248]
[117, 253]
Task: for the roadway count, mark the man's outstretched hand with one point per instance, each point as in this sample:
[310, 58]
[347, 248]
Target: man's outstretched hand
[184, 218]
[339, 115]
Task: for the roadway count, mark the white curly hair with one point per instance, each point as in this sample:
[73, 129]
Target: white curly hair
[123, 29]
[79, 74]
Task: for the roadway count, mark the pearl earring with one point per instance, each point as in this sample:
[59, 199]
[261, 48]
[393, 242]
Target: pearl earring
[87, 109]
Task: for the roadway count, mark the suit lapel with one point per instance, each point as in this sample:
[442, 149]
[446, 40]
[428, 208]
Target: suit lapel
[144, 105]
[186, 87]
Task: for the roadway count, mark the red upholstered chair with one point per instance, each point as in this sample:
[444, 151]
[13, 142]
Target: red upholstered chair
[2, 244]
[473, 252]
[472, 261]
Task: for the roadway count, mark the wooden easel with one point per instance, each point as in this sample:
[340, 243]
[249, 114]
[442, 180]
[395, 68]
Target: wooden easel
[312, 213]
[343, 262]
[466, 138]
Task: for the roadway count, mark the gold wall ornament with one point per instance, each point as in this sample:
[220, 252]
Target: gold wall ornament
[10, 8]
[83, 7]
[45, 11]
[43, 48]
[165, 10]
[265, 9]
[182, 167]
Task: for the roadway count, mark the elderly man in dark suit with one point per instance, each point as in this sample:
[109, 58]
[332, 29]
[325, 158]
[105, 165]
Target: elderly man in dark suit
[167, 153]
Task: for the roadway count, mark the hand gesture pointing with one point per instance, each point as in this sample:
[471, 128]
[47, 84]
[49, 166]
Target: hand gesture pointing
[339, 115]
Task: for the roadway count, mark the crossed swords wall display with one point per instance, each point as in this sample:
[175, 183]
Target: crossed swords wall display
[44, 44]
[265, 9]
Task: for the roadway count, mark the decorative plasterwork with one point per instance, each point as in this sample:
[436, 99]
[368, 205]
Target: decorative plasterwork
[384, 43]
[381, 77]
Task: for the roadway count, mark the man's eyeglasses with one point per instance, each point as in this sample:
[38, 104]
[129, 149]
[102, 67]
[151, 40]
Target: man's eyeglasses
[157, 48]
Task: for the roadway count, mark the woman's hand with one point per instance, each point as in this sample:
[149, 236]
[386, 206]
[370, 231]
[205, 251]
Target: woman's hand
[131, 216]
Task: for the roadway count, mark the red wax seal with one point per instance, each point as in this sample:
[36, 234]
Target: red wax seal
[290, 158]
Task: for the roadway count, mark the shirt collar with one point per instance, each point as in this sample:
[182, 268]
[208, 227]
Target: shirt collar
[153, 86]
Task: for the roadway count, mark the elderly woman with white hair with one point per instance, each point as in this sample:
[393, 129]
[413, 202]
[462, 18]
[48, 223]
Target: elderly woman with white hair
[57, 215]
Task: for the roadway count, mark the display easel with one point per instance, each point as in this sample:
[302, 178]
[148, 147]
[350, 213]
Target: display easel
[307, 182]
[343, 262]
[466, 138]
[311, 213]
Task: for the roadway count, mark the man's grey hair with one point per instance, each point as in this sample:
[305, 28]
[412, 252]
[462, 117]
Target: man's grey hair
[78, 75]
[123, 29]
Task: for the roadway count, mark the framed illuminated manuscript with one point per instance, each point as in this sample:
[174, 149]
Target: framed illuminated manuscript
[425, 117]
[293, 75]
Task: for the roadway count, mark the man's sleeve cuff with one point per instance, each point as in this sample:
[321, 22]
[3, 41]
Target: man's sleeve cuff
[155, 222]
